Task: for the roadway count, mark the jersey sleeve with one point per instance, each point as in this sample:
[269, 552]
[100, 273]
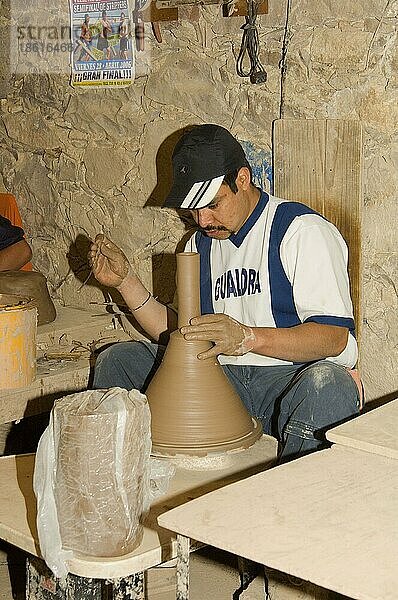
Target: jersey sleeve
[314, 256]
[9, 234]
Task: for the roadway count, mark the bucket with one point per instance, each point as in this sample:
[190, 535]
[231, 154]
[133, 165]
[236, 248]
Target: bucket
[18, 324]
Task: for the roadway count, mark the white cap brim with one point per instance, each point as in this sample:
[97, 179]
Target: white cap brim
[202, 193]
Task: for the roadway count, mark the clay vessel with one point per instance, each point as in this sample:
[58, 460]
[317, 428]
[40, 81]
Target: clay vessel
[195, 409]
[32, 284]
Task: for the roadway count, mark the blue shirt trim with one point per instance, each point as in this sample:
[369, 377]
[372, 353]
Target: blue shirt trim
[330, 320]
[203, 245]
[282, 301]
[9, 234]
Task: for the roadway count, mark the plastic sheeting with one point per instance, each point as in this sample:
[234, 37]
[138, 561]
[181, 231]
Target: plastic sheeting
[92, 476]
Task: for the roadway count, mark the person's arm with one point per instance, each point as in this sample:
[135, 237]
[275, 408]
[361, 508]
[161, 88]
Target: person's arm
[112, 268]
[153, 316]
[302, 343]
[14, 257]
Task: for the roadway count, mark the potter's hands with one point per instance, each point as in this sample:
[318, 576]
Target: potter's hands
[110, 265]
[229, 336]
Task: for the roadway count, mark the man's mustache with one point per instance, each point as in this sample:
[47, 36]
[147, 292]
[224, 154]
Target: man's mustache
[217, 228]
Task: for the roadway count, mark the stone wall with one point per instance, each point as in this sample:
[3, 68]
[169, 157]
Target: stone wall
[85, 161]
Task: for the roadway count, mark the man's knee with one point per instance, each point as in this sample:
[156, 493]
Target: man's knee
[128, 365]
[321, 396]
[330, 388]
[326, 374]
[115, 353]
[113, 365]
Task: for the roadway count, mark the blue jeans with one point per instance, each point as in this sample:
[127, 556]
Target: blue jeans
[295, 403]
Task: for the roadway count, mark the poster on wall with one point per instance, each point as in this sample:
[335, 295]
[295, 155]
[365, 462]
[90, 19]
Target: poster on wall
[102, 52]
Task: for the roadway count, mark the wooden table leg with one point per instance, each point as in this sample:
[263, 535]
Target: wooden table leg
[183, 544]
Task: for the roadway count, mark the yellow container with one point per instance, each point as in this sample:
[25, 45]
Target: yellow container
[18, 324]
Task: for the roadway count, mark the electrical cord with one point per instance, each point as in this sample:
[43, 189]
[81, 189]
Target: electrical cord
[250, 47]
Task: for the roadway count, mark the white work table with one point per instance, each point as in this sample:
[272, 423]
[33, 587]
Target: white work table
[18, 507]
[329, 518]
[375, 431]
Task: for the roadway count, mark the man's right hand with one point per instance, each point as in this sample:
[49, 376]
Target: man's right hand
[110, 265]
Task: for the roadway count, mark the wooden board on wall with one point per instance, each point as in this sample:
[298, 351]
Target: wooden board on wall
[319, 162]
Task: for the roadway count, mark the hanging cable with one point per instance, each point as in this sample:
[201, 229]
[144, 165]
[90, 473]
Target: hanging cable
[250, 47]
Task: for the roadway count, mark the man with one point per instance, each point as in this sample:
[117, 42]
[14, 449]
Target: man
[85, 39]
[274, 293]
[105, 31]
[123, 35]
[15, 252]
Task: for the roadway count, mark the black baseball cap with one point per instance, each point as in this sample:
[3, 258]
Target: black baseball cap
[201, 159]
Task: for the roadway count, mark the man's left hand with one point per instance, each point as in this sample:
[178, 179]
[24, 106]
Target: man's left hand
[228, 336]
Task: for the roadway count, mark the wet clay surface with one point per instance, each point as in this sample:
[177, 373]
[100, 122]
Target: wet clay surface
[33, 285]
[195, 410]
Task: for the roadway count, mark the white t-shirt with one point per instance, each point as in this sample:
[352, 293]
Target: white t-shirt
[286, 265]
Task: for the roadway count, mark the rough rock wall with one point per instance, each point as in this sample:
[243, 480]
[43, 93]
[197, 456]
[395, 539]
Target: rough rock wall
[341, 61]
[82, 161]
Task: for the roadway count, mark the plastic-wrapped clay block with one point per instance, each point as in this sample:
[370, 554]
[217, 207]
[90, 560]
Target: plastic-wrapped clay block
[103, 442]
